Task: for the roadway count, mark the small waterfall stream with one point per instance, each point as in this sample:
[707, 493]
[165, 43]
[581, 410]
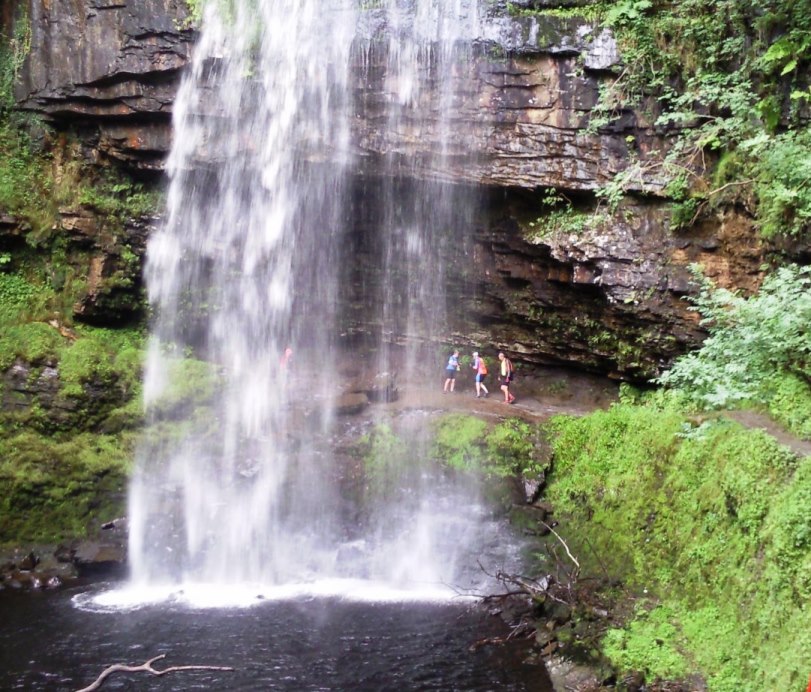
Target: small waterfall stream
[240, 489]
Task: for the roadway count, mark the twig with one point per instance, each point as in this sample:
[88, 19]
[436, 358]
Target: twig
[144, 667]
[563, 543]
[599, 559]
[730, 184]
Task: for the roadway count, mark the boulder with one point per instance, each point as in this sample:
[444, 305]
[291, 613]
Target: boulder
[351, 403]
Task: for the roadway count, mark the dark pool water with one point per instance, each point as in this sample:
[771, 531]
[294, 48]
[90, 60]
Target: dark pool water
[48, 643]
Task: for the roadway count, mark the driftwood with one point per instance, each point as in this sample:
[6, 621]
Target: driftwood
[144, 667]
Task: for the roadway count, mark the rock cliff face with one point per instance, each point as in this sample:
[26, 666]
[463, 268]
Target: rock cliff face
[109, 69]
[607, 297]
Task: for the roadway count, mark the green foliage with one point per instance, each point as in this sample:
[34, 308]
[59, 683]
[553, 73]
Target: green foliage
[717, 73]
[458, 441]
[781, 181]
[790, 539]
[513, 449]
[82, 363]
[101, 355]
[559, 217]
[25, 184]
[118, 199]
[628, 12]
[714, 528]
[32, 342]
[66, 438]
[33, 187]
[13, 51]
[754, 344]
[95, 374]
[15, 293]
[790, 403]
[650, 643]
[594, 11]
[54, 487]
[196, 8]
[686, 203]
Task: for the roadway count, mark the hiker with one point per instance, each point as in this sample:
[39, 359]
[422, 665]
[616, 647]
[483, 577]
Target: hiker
[480, 367]
[284, 361]
[450, 372]
[506, 377]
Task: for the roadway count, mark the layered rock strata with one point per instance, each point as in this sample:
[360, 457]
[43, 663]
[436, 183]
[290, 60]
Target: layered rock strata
[608, 297]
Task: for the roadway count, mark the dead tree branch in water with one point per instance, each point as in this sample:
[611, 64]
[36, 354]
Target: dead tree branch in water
[544, 587]
[144, 667]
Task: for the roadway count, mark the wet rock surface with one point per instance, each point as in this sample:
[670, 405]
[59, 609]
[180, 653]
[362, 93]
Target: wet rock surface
[111, 66]
[44, 567]
[53, 566]
[607, 298]
[115, 68]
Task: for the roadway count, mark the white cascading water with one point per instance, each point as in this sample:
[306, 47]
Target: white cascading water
[427, 223]
[227, 490]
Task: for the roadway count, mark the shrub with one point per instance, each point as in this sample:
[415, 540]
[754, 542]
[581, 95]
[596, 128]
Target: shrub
[756, 349]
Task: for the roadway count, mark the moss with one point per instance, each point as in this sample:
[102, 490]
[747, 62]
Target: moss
[459, 441]
[60, 487]
[790, 404]
[650, 643]
[33, 342]
[387, 457]
[96, 372]
[711, 523]
[81, 363]
[513, 448]
[191, 384]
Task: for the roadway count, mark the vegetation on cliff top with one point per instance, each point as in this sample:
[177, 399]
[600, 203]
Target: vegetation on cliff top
[726, 84]
[729, 79]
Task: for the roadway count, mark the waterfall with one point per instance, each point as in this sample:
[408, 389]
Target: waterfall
[236, 482]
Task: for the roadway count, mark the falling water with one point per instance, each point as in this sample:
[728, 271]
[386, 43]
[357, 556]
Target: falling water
[236, 482]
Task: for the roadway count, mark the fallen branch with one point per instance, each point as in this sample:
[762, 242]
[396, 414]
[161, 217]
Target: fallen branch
[521, 629]
[563, 543]
[144, 667]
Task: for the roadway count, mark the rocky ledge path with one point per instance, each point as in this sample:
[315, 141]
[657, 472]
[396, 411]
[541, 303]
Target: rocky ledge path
[537, 397]
[560, 392]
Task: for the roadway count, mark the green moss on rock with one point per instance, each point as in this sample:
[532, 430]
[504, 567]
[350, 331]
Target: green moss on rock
[709, 524]
[52, 488]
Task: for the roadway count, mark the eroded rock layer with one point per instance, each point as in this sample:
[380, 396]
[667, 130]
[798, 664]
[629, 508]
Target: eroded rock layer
[607, 295]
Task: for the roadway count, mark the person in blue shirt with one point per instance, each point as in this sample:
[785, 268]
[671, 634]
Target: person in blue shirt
[450, 372]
